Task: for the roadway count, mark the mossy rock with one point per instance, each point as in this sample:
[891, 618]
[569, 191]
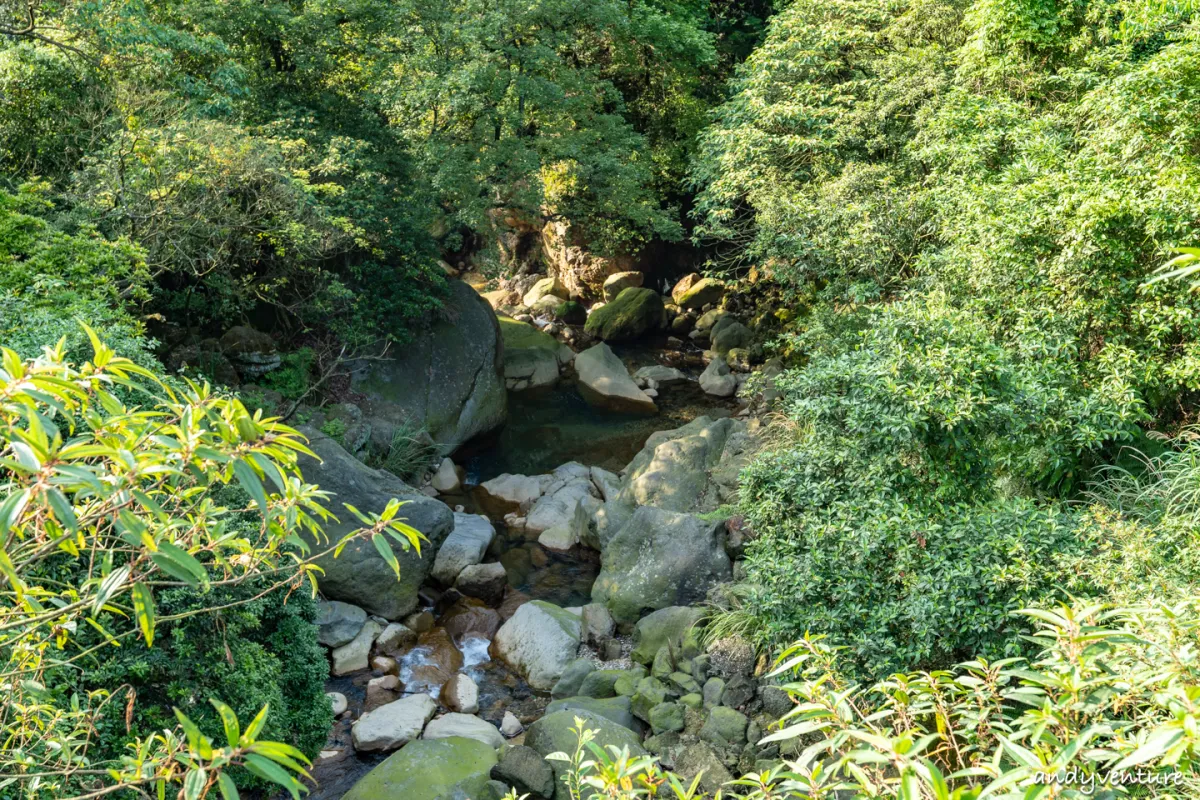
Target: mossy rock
[570, 313]
[635, 312]
[431, 769]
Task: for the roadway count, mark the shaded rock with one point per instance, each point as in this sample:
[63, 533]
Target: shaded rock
[717, 379]
[602, 683]
[699, 758]
[484, 581]
[619, 281]
[538, 641]
[572, 678]
[724, 726]
[359, 575]
[776, 701]
[617, 709]
[469, 617]
[393, 725]
[448, 381]
[633, 313]
[663, 376]
[531, 357]
[650, 692]
[338, 623]
[659, 559]
[604, 382]
[696, 292]
[714, 688]
[381, 691]
[729, 334]
[445, 480]
[354, 655]
[460, 694]
[570, 313]
[525, 770]
[251, 351]
[466, 726]
[468, 541]
[509, 493]
[667, 626]
[598, 624]
[709, 319]
[430, 769]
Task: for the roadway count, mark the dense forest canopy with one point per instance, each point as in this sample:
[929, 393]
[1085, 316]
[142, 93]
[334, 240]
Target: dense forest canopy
[938, 218]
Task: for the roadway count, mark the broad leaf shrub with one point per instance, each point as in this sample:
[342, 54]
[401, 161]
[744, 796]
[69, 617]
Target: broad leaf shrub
[909, 509]
[119, 528]
[1110, 706]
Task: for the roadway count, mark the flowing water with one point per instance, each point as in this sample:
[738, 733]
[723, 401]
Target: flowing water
[544, 430]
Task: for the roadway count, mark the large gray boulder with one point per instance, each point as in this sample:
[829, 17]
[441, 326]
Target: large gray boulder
[552, 734]
[449, 380]
[634, 312]
[689, 469]
[659, 559]
[394, 724]
[430, 769]
[467, 726]
[465, 546]
[531, 357]
[538, 641]
[604, 382]
[359, 575]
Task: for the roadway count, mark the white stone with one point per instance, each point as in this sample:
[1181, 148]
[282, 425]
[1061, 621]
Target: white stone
[608, 484]
[515, 493]
[604, 382]
[660, 375]
[539, 641]
[339, 703]
[466, 544]
[466, 726]
[461, 694]
[557, 506]
[355, 655]
[394, 724]
[395, 639]
[445, 480]
[510, 726]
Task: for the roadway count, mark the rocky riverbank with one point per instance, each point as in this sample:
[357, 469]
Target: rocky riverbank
[538, 598]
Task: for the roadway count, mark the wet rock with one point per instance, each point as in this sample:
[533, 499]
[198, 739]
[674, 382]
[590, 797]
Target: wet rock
[393, 725]
[445, 479]
[465, 725]
[619, 281]
[717, 380]
[484, 581]
[471, 618]
[359, 575]
[430, 769]
[525, 770]
[338, 623]
[667, 626]
[465, 546]
[539, 641]
[572, 678]
[617, 709]
[395, 639]
[384, 664]
[420, 622]
[633, 313]
[353, 656]
[460, 694]
[338, 702]
[660, 559]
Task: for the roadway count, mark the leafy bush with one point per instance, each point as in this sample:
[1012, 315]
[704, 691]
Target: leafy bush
[119, 529]
[294, 375]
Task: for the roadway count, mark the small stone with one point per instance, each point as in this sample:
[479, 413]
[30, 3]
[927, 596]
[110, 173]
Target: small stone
[664, 665]
[352, 657]
[510, 726]
[725, 726]
[666, 717]
[339, 703]
[486, 582]
[692, 701]
[572, 678]
[713, 689]
[385, 665]
[598, 624]
[381, 691]
[421, 622]
[445, 480]
[461, 694]
[395, 639]
[338, 623]
[612, 650]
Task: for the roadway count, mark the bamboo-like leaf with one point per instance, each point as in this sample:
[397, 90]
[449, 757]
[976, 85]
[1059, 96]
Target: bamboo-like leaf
[143, 611]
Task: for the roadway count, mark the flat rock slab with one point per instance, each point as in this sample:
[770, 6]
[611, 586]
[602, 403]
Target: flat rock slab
[604, 382]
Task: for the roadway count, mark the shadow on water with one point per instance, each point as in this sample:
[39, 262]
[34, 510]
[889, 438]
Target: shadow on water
[550, 428]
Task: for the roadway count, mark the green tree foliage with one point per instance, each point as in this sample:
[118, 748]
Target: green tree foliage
[968, 198]
[173, 523]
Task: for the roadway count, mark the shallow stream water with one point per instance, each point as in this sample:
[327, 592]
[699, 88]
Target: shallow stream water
[544, 430]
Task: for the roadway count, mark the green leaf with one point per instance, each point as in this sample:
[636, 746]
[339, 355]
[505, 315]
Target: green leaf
[385, 550]
[233, 732]
[270, 771]
[256, 725]
[228, 788]
[143, 611]
[111, 584]
[250, 482]
[180, 564]
[193, 783]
